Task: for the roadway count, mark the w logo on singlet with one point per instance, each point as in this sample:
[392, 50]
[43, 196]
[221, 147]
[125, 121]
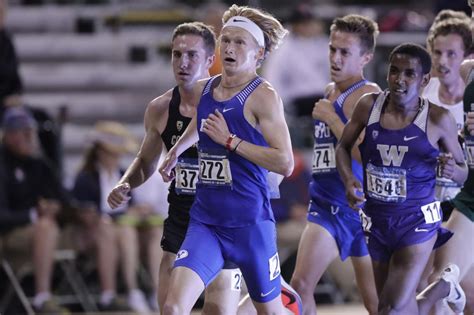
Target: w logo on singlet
[393, 154]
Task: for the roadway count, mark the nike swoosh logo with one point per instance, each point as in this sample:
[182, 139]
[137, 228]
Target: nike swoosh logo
[227, 109]
[421, 230]
[459, 294]
[236, 20]
[290, 297]
[265, 294]
[409, 138]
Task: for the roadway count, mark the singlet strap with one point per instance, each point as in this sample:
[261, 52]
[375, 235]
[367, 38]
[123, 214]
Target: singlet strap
[245, 93]
[208, 85]
[421, 120]
[342, 98]
[175, 100]
[377, 108]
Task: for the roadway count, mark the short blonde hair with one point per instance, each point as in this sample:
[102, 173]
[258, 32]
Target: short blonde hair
[273, 31]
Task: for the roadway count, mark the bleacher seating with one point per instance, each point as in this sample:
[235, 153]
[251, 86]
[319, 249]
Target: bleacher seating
[105, 47]
[103, 60]
[94, 62]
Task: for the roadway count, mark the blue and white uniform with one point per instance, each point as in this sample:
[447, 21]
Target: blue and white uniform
[328, 206]
[399, 184]
[231, 218]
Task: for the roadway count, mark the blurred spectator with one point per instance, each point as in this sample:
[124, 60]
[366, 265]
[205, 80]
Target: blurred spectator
[152, 194]
[305, 56]
[10, 81]
[404, 20]
[112, 232]
[11, 88]
[144, 224]
[303, 78]
[31, 197]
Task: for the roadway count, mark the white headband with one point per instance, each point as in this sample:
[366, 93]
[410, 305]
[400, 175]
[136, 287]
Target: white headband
[249, 26]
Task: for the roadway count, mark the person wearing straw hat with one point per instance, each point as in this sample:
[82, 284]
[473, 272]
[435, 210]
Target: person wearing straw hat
[109, 230]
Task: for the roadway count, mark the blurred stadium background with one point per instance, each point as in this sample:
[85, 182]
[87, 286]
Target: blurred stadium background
[87, 60]
[106, 59]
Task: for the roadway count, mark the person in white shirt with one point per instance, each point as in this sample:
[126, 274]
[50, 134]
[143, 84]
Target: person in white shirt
[449, 43]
